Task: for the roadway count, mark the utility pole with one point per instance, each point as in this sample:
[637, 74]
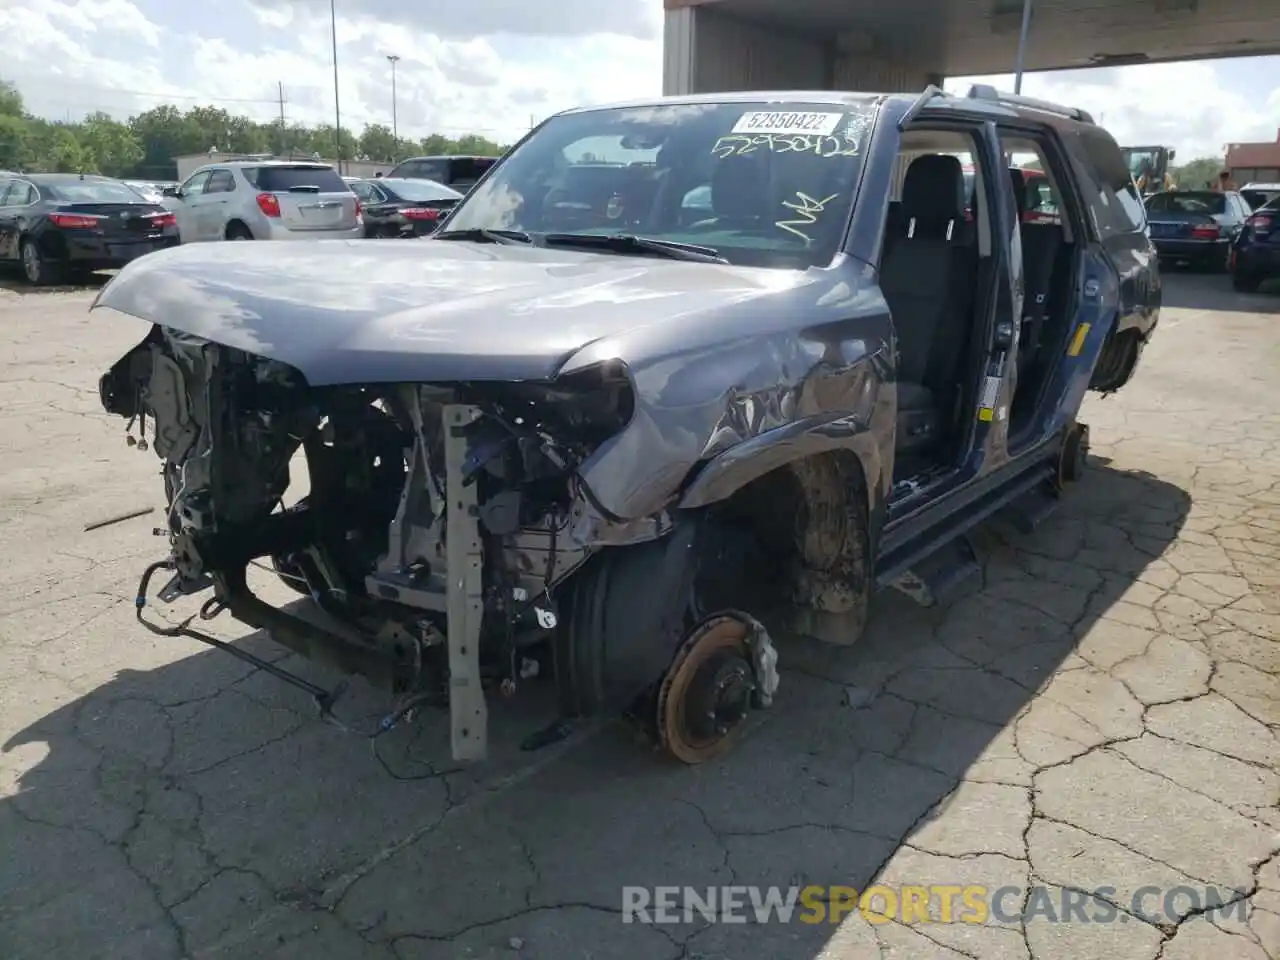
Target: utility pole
[395, 127]
[1022, 45]
[337, 111]
[280, 90]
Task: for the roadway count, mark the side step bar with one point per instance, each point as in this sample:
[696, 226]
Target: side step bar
[914, 552]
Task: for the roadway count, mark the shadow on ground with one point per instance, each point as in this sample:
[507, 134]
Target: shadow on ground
[13, 281]
[1195, 290]
[200, 810]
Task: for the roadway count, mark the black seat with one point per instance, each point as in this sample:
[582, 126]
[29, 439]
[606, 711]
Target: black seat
[740, 191]
[1041, 243]
[926, 276]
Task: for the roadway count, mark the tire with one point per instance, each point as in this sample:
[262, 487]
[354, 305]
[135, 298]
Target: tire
[238, 231]
[38, 271]
[1245, 283]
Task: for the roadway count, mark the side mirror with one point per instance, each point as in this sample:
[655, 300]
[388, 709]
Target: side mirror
[172, 192]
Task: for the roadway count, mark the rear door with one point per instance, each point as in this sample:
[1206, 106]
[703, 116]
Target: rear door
[312, 196]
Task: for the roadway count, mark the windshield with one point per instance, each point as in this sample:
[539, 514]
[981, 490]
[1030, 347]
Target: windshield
[419, 191]
[1188, 202]
[1140, 162]
[764, 184]
[93, 191]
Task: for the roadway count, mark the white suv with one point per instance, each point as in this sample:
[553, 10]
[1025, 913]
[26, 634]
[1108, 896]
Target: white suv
[265, 200]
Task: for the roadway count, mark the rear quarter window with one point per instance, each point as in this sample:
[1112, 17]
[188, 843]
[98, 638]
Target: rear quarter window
[283, 179]
[1118, 208]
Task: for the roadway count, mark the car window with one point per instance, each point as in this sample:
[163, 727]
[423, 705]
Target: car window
[779, 177]
[421, 191]
[93, 191]
[423, 170]
[1189, 202]
[1122, 209]
[220, 181]
[281, 179]
[468, 169]
[16, 193]
[195, 184]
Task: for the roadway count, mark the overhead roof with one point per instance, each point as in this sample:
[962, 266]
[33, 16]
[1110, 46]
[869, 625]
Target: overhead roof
[974, 37]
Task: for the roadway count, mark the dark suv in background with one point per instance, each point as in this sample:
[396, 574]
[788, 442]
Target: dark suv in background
[1255, 258]
[460, 172]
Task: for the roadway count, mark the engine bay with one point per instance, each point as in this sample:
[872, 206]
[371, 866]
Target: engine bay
[438, 521]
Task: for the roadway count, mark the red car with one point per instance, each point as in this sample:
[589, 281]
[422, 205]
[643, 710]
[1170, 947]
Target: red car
[1039, 205]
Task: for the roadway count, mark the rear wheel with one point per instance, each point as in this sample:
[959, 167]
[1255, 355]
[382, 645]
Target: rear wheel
[238, 231]
[1245, 283]
[39, 271]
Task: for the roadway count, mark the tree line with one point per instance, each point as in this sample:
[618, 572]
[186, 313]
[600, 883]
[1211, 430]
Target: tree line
[143, 147]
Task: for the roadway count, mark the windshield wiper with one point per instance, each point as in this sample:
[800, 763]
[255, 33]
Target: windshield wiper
[485, 235]
[630, 243]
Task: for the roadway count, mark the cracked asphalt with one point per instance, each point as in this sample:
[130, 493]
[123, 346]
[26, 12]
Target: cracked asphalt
[1100, 713]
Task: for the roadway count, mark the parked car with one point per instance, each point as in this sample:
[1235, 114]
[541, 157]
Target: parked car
[1196, 227]
[1259, 194]
[147, 190]
[460, 172]
[265, 200]
[58, 224]
[652, 436]
[1255, 257]
[403, 208]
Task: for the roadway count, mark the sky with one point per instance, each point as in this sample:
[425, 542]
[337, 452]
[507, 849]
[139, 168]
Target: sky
[493, 67]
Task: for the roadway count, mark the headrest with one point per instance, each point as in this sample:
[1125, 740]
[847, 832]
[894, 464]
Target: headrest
[740, 187]
[934, 189]
[1019, 190]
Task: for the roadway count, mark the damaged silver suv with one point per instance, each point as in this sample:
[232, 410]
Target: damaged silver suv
[672, 376]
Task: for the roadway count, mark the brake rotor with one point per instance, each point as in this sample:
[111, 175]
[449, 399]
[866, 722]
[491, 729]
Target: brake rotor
[707, 693]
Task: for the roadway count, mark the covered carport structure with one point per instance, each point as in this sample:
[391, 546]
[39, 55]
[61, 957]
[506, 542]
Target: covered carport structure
[888, 45]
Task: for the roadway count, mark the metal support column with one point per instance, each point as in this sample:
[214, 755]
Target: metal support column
[1022, 45]
[469, 714]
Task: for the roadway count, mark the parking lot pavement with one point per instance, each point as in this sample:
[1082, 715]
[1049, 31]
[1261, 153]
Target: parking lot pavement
[1101, 714]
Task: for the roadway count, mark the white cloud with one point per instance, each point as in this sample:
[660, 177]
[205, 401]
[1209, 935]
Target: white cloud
[1192, 107]
[492, 66]
[125, 56]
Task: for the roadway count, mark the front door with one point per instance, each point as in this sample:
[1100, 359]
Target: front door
[187, 206]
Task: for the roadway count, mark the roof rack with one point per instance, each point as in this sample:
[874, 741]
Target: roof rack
[983, 91]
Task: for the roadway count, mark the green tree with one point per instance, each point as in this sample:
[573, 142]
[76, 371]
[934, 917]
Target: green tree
[1194, 175]
[147, 144]
[13, 141]
[377, 142]
[11, 104]
[114, 147]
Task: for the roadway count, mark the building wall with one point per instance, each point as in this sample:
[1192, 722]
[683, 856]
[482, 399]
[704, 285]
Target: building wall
[707, 52]
[710, 52]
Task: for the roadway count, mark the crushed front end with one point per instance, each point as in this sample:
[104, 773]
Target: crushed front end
[438, 520]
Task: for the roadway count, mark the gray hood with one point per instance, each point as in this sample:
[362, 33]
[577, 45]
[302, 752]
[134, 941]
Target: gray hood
[380, 311]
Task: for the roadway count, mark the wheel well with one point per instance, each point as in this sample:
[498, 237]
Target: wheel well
[234, 224]
[805, 517]
[1116, 362]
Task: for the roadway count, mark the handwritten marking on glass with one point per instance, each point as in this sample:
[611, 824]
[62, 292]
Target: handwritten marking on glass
[807, 210]
[739, 145]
